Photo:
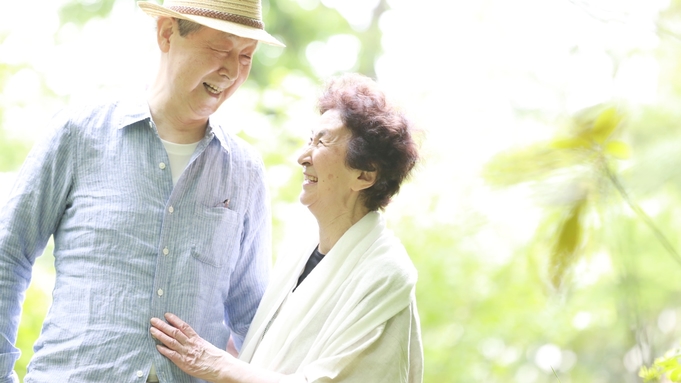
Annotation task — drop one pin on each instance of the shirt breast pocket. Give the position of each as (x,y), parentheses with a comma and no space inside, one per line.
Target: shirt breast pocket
(216,237)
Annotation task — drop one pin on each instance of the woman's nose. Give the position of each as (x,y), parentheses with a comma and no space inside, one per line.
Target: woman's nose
(303,159)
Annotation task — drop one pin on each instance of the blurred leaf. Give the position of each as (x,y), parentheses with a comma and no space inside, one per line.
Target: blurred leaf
(531,164)
(605,124)
(596,123)
(571,143)
(649,375)
(668,363)
(675,375)
(565,251)
(617,149)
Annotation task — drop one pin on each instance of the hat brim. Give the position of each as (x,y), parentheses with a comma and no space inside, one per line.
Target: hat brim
(153,9)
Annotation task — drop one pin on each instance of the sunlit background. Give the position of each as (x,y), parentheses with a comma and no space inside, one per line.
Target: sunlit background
(481,79)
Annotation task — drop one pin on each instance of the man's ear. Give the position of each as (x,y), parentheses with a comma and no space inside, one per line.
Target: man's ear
(164,29)
(365,180)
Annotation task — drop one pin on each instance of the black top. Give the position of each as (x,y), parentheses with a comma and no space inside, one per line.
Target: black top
(312,262)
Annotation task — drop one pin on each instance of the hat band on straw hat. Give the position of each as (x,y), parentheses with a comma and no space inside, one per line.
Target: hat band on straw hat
(219,15)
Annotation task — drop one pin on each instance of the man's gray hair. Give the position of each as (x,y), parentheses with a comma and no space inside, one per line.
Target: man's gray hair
(187,27)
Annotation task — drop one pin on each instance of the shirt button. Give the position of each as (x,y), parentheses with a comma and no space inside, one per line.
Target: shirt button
(140,374)
(170,209)
(162,165)
(160,292)
(166,251)
(151,124)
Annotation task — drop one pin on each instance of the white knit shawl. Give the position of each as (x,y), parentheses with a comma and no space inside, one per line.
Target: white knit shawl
(340,311)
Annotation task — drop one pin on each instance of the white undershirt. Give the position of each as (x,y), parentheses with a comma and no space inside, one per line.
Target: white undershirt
(179,155)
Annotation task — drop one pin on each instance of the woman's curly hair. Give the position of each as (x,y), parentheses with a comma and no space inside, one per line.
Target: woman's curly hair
(381,135)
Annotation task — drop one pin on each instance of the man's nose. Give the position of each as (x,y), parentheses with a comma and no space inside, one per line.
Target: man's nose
(230,68)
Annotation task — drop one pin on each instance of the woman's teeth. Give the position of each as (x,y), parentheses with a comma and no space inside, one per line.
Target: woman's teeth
(212,89)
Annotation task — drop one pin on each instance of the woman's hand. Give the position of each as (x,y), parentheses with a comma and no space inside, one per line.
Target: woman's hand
(184,347)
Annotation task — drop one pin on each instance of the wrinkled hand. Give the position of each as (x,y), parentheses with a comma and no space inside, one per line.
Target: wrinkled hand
(184,347)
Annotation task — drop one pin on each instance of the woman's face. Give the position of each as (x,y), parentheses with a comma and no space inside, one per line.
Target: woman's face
(328,182)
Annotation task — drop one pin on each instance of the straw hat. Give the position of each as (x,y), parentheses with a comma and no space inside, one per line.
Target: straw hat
(238,17)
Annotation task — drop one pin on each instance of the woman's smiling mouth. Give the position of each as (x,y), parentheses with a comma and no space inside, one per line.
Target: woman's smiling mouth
(212,89)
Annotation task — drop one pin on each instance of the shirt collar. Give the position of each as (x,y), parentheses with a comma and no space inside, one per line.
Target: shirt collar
(137,109)
(130,111)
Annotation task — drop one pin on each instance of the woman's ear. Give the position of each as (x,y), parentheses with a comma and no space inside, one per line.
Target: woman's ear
(365,180)
(164,29)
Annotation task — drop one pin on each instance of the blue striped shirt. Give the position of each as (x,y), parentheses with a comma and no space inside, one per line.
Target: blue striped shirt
(129,246)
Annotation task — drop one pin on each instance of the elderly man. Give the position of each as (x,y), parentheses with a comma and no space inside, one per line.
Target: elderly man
(154,208)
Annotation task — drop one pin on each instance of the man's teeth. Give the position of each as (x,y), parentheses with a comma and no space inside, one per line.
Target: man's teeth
(311,178)
(212,89)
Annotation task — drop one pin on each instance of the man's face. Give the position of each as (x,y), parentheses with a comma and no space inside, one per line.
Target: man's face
(204,68)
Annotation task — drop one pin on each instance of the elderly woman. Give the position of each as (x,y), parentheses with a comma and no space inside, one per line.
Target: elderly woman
(344,310)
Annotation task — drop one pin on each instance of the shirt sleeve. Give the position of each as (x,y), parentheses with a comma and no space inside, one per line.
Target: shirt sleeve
(34,208)
(251,272)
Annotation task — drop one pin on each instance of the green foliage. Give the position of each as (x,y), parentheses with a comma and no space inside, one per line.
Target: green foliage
(34,309)
(13,152)
(566,248)
(80,12)
(33,313)
(533,163)
(484,319)
(297,28)
(605,124)
(592,219)
(668,366)
(588,142)
(585,154)
(556,374)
